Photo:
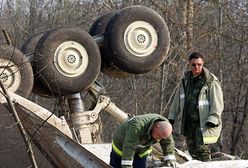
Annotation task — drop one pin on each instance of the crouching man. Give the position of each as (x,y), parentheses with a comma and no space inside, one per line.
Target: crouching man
(132,141)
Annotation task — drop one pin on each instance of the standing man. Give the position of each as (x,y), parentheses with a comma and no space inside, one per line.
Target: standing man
(133,139)
(197,107)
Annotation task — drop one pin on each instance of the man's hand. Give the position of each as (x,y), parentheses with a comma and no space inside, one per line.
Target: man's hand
(171,163)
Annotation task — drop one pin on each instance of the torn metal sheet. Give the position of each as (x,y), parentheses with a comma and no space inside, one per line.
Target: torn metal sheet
(53,137)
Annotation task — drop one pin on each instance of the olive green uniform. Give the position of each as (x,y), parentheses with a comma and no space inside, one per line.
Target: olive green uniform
(134,137)
(198,101)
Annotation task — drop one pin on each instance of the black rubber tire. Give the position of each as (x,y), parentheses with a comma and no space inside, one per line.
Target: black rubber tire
(24,72)
(45,65)
(28,48)
(114,34)
(100,24)
(107,66)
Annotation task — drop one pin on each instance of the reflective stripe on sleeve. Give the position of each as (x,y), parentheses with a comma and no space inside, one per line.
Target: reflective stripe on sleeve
(203,103)
(118,151)
(169,157)
(210,140)
(147,152)
(127,162)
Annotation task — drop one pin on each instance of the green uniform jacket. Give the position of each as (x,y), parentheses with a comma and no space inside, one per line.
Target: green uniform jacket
(134,136)
(210,102)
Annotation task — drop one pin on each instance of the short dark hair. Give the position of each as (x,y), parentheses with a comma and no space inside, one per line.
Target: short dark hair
(195,55)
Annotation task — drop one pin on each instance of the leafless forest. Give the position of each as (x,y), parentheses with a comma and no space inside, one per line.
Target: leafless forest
(216,28)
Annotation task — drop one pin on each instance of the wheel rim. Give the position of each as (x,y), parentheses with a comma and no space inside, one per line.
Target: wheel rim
(140,38)
(10,75)
(71,59)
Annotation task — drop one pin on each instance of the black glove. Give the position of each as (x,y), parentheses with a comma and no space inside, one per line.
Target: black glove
(171,122)
(211,125)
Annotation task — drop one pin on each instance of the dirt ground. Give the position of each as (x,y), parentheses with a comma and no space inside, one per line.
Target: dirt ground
(13,151)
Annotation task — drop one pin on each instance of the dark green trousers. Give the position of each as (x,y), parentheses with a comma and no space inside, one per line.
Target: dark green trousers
(195,144)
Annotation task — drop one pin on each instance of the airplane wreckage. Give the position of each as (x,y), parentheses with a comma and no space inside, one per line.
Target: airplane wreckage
(64,62)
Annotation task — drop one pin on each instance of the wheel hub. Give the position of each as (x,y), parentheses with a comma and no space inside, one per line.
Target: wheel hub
(4,77)
(140,38)
(10,75)
(71,59)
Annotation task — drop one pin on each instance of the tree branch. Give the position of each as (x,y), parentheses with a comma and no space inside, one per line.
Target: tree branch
(20,126)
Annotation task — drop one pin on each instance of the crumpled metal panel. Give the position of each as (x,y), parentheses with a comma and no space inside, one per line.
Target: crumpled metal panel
(59,148)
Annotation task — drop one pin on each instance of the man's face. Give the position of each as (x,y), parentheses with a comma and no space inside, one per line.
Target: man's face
(156,134)
(159,132)
(196,66)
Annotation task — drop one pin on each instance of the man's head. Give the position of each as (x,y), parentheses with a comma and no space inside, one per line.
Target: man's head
(161,130)
(196,63)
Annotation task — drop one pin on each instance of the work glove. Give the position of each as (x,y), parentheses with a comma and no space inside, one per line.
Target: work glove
(170,161)
(211,125)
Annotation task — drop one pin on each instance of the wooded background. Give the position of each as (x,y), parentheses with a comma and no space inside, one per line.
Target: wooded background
(216,28)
